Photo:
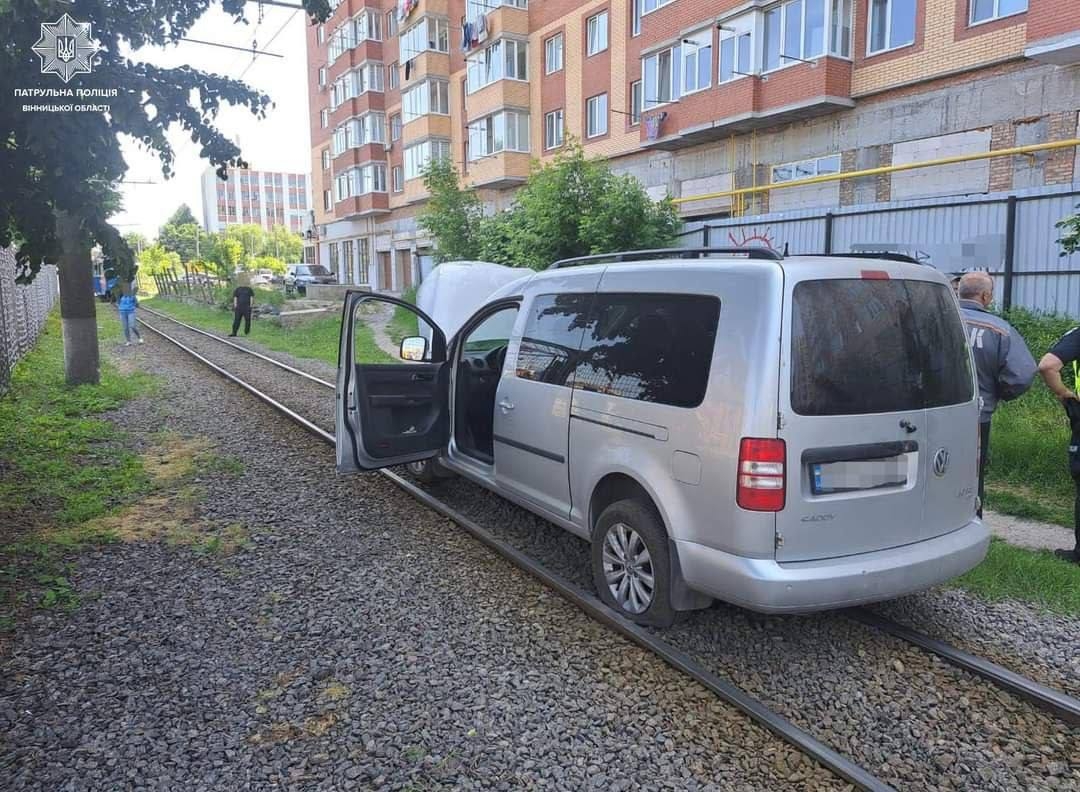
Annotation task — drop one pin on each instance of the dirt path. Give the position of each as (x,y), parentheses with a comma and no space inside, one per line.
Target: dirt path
(378,319)
(1027,533)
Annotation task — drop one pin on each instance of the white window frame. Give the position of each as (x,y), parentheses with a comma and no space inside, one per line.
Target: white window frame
(656,6)
(321,34)
(810,167)
(391,23)
(498,132)
(889,47)
(326,158)
(396,123)
(429,34)
(674,76)
(328,200)
(694,52)
(590,103)
(360,180)
(554,49)
(636,95)
(322,76)
(597,37)
(735,38)
(397,175)
(554,124)
(324,118)
(429,97)
(794,58)
(393,76)
(489,65)
(996,15)
(419,155)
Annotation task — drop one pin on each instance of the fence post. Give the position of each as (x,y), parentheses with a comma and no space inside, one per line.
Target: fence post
(828,232)
(1010,252)
(705,235)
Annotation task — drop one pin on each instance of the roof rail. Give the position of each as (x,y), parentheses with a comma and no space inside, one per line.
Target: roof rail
(756,252)
(904,257)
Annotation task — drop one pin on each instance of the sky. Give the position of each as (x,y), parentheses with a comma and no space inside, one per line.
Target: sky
(281,141)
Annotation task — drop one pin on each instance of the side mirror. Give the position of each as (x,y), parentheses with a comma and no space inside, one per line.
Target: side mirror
(414,348)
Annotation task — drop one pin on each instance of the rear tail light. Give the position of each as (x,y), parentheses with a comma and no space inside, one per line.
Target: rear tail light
(762,478)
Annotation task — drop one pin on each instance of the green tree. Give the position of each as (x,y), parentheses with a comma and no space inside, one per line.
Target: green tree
(252,239)
(136,242)
(452,214)
(1070,233)
(60,174)
(283,244)
(227,256)
(182,234)
(275,265)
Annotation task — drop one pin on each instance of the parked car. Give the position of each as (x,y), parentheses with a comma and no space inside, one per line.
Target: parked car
(300,276)
(785,434)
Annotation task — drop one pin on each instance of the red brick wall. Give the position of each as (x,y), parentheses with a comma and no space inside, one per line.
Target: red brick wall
(862,31)
(1048,18)
(596,73)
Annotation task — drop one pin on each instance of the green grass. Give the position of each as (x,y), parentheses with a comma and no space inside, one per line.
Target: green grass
(317,339)
(62,464)
(1034,577)
(404,322)
(1029,474)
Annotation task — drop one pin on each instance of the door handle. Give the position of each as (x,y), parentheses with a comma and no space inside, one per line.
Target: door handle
(420,377)
(506,405)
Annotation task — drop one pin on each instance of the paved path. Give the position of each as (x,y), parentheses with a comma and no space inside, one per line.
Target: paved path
(1027,533)
(378,319)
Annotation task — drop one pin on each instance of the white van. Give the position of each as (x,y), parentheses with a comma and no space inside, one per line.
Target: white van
(786,434)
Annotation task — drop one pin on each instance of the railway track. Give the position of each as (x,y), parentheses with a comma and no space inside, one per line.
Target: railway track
(1052,701)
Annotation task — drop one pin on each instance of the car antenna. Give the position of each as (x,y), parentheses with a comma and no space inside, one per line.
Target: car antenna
(785,250)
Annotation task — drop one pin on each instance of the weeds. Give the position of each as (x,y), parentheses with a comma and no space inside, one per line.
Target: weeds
(1036,577)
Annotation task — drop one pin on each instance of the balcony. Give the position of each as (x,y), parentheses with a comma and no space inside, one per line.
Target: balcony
(507,19)
(499,171)
(365,102)
(426,64)
(426,8)
(369,152)
(367,50)
(795,93)
(426,126)
(362,206)
(1053,34)
(505,93)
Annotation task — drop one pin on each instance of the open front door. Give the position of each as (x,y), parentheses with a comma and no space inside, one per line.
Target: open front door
(393,389)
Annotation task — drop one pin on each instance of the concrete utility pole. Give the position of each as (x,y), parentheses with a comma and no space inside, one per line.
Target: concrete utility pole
(78,311)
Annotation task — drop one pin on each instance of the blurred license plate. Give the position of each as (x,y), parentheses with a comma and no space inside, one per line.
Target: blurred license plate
(827,478)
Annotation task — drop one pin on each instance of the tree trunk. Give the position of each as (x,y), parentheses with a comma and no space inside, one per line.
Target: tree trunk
(78,313)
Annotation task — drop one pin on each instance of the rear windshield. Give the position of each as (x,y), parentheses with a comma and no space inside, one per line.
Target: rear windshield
(312,269)
(876,346)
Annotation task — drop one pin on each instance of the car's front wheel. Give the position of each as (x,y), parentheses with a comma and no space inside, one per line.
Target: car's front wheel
(631,563)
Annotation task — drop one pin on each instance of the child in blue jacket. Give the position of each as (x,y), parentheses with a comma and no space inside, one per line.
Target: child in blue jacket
(126,305)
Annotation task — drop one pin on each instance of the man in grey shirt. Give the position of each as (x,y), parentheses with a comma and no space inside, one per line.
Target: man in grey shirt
(1003,363)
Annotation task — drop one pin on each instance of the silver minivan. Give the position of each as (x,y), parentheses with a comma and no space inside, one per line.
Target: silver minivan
(785,434)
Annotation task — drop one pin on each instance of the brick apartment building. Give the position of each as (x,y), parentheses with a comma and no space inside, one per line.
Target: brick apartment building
(265,198)
(691,96)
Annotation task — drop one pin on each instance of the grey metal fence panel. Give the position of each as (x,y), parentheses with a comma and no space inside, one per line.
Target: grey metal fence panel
(23,311)
(1042,280)
(798,232)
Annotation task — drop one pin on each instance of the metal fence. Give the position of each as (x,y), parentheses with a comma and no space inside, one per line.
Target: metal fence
(23,310)
(1011,236)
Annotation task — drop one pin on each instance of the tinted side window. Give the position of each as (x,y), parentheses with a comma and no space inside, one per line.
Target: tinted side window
(650,347)
(875,346)
(552,338)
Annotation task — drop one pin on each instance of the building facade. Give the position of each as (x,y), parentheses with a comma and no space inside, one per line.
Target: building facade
(693,97)
(265,198)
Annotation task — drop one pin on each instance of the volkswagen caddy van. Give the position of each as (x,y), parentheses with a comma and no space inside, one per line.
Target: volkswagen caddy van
(785,434)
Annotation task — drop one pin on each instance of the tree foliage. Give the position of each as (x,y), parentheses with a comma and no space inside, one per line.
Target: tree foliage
(1070,233)
(71,162)
(574,206)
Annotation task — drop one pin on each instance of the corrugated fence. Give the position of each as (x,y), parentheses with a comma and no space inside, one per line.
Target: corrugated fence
(23,310)
(1011,236)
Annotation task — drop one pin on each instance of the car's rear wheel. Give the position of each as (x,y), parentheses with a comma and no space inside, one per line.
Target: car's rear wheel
(631,563)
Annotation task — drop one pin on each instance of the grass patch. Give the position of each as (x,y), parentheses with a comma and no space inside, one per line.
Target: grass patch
(317,339)
(404,323)
(62,466)
(1034,577)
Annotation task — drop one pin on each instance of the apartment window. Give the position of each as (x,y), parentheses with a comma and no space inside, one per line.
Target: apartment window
(892,24)
(391,23)
(417,157)
(795,30)
(697,62)
(364,26)
(660,77)
(985,10)
(430,96)
(553,129)
(648,6)
(360,181)
(363,258)
(505,131)
(635,103)
(430,33)
(399,178)
(597,28)
(347,260)
(840,26)
(368,128)
(734,56)
(327,200)
(324,118)
(793,171)
(334,258)
(326,159)
(596,111)
(393,79)
(322,34)
(553,54)
(322,76)
(395,127)
(505,59)
(368,77)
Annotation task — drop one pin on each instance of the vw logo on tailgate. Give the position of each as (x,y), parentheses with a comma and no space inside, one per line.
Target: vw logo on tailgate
(941,462)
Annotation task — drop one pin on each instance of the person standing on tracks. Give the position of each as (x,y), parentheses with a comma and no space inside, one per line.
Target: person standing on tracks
(1003,363)
(126,305)
(1065,351)
(243,298)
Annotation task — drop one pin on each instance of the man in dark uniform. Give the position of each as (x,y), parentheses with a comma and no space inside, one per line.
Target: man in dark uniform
(1067,350)
(242,299)
(1004,366)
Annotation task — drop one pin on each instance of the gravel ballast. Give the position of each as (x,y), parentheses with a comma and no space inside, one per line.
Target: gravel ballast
(358,641)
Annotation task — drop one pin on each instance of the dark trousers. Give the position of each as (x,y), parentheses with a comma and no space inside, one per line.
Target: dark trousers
(1076,514)
(984,453)
(237,315)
